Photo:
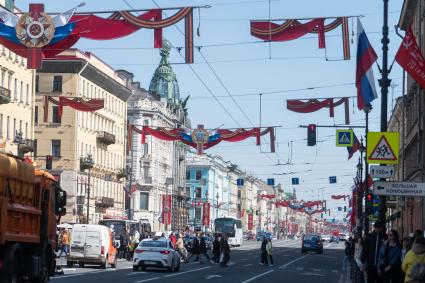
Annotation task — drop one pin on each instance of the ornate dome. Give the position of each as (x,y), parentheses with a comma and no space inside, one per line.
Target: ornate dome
(164,82)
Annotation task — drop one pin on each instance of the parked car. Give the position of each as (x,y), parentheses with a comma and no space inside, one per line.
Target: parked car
(156,252)
(326,237)
(261,235)
(92,244)
(312,243)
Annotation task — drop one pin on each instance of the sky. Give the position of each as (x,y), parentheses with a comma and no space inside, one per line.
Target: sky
(230,64)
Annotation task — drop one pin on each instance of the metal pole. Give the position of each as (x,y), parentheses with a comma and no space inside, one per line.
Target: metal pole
(384,83)
(88,196)
(367,208)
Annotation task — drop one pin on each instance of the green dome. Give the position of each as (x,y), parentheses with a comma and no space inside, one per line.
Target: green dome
(164,82)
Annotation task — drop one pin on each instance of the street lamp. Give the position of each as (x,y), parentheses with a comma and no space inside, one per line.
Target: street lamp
(87,163)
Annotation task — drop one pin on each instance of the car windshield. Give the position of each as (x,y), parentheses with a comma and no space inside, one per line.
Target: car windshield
(153,244)
(310,238)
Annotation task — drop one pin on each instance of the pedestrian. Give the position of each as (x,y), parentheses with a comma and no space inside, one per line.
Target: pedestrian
(370,254)
(64,242)
(264,251)
(269,251)
(224,251)
(414,260)
(349,255)
(173,239)
(203,249)
(124,241)
(181,249)
(195,251)
(216,248)
(359,266)
(390,259)
(405,248)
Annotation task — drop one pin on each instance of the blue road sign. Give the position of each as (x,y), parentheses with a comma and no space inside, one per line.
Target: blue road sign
(270,182)
(239,182)
(295,181)
(332,180)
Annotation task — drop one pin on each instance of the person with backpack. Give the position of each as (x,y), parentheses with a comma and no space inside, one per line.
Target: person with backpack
(389,268)
(414,262)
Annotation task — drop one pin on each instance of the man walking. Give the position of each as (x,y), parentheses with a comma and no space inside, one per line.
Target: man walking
(195,250)
(224,251)
(264,252)
(216,249)
(370,253)
(203,249)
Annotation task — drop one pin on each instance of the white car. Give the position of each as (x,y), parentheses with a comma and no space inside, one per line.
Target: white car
(157,252)
(326,238)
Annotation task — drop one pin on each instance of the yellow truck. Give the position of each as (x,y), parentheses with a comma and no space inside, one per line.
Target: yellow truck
(31,204)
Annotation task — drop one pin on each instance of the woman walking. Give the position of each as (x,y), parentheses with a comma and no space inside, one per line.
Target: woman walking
(390,259)
(269,251)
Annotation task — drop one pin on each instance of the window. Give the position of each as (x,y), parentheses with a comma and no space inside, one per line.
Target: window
(198,174)
(27,92)
(144,201)
(20,126)
(188,175)
(144,149)
(2,78)
(26,130)
(37,83)
(15,91)
(198,192)
(14,128)
(36,115)
(8,128)
(55,116)
(57,83)
(21,92)
(56,148)
(9,81)
(35,148)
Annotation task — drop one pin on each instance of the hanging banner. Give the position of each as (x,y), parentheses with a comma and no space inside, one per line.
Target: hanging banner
(166,209)
(410,58)
(313,105)
(206,214)
(250,221)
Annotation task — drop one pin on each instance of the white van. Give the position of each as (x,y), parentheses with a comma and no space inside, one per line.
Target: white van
(92,244)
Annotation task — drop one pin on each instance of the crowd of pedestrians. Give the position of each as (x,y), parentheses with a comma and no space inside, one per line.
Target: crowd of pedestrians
(382,257)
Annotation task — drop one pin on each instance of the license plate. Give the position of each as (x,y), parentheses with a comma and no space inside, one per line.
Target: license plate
(150,262)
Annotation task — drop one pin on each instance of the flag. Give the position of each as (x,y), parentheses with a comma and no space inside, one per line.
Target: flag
(63,18)
(365,82)
(353,149)
(410,58)
(8,18)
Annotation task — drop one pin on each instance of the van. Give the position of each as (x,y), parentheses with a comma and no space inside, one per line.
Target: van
(92,244)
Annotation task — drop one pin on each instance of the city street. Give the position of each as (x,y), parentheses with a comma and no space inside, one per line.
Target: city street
(290,265)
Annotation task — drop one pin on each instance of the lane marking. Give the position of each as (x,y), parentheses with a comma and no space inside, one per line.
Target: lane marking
(66,276)
(149,279)
(246,265)
(291,262)
(136,272)
(69,269)
(257,276)
(189,271)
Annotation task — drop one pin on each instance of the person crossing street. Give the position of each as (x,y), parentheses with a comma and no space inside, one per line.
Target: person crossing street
(203,249)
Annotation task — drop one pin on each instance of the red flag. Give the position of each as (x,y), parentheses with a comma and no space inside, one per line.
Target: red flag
(410,58)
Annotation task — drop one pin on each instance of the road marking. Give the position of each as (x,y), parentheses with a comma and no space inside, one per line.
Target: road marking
(255,277)
(317,270)
(149,279)
(213,276)
(69,269)
(291,262)
(249,264)
(311,274)
(66,276)
(189,271)
(136,272)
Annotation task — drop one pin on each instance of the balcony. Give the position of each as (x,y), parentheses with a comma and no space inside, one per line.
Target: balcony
(145,184)
(105,138)
(105,202)
(4,95)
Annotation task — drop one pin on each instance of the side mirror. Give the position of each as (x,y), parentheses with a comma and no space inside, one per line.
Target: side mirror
(60,200)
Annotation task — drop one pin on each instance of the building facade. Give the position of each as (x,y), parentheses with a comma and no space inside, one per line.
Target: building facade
(76,138)
(158,168)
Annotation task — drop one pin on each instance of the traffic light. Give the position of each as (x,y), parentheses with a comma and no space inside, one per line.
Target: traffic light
(311,135)
(345,209)
(49,160)
(369,199)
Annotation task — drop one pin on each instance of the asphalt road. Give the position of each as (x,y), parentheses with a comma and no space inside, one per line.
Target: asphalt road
(289,266)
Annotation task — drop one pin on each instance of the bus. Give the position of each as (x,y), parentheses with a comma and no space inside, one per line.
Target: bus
(230,226)
(131,225)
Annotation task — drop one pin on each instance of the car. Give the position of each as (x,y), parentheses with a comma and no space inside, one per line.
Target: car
(343,237)
(312,243)
(158,253)
(326,238)
(261,235)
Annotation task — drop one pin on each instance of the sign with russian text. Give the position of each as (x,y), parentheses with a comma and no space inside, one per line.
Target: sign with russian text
(377,171)
(403,189)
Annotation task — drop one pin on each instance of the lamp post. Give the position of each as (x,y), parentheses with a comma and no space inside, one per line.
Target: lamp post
(87,163)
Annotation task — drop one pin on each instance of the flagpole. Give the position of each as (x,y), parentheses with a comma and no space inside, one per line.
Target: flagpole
(366,188)
(384,83)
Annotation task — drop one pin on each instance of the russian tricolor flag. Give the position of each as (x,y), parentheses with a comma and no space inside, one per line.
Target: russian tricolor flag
(365,82)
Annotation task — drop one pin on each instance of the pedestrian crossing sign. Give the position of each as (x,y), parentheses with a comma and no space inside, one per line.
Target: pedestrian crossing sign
(383,147)
(344,138)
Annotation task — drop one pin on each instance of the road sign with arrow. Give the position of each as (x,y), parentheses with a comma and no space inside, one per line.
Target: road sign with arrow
(377,171)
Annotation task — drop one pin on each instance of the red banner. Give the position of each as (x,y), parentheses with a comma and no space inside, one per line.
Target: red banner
(206,214)
(80,105)
(410,58)
(166,209)
(250,221)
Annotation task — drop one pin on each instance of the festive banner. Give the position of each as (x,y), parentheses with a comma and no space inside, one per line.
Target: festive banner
(336,197)
(410,58)
(263,196)
(76,103)
(293,29)
(206,214)
(166,209)
(250,221)
(202,139)
(35,34)
(312,105)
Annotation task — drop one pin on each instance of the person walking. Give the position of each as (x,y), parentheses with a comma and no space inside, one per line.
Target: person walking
(203,249)
(195,249)
(224,251)
(415,256)
(349,255)
(370,253)
(173,239)
(390,259)
(181,249)
(269,251)
(216,249)
(124,240)
(264,252)
(64,242)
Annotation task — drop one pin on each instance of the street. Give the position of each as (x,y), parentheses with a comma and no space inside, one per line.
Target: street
(289,266)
